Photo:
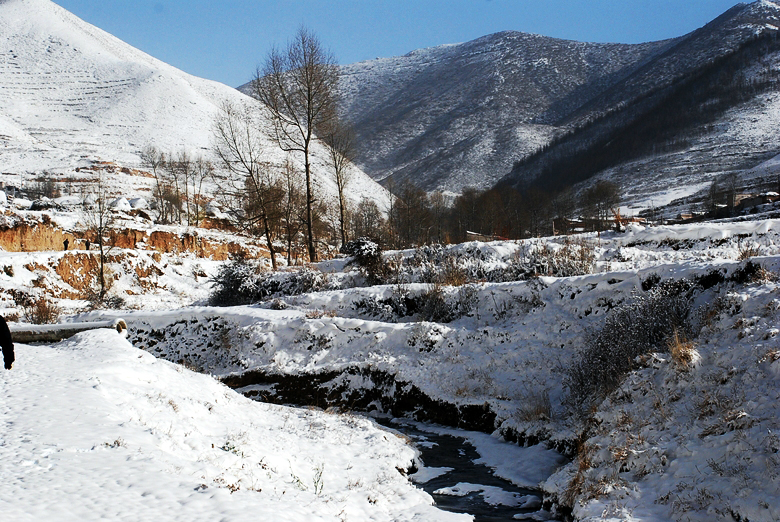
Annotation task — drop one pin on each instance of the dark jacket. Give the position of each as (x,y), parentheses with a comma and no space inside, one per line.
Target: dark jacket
(6,343)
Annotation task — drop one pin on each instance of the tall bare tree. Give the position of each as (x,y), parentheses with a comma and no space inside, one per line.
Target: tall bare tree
(156,161)
(99,218)
(340,139)
(293,209)
(298,86)
(250,192)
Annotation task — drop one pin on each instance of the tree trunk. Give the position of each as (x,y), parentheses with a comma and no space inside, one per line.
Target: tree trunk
(309,203)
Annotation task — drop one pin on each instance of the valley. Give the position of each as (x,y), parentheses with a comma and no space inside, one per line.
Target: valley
(547,286)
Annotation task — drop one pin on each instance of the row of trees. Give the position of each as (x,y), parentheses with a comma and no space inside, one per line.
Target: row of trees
(282,203)
(179,183)
(417,218)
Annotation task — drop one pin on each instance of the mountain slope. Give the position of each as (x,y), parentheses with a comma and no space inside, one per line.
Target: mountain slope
(71,94)
(707,108)
(458,115)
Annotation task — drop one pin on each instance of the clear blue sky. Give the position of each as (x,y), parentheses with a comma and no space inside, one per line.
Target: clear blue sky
(226,40)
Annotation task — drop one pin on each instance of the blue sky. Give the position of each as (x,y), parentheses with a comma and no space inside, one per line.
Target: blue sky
(226,40)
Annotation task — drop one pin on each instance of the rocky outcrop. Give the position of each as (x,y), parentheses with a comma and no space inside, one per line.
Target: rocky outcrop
(35,237)
(25,236)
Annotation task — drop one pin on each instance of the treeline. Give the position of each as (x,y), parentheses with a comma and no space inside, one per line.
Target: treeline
(178,185)
(416,218)
(660,121)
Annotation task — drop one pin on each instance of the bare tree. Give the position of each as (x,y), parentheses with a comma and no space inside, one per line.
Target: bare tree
(298,86)
(293,210)
(368,221)
(439,211)
(250,192)
(181,168)
(203,169)
(156,161)
(599,201)
(340,139)
(99,219)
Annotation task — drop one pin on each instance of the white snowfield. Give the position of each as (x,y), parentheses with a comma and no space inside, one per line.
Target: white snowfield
(672,444)
(72,94)
(106,430)
(95,429)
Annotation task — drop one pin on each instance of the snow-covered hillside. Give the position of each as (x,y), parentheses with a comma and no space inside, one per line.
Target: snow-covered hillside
(500,361)
(459,115)
(675,441)
(71,95)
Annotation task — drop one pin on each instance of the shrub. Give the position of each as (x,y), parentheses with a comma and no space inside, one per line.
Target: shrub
(645,324)
(751,272)
(433,307)
(433,304)
(535,406)
(452,273)
(572,258)
(40,311)
(367,256)
(234,283)
(747,251)
(682,351)
(245,281)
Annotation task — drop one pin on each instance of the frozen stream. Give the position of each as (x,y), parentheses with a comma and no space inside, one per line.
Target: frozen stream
(459,470)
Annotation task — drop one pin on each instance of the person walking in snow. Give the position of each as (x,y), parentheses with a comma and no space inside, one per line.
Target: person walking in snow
(65,244)
(6,343)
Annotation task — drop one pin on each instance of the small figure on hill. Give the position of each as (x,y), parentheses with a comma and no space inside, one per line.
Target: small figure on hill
(7,344)
(88,243)
(65,244)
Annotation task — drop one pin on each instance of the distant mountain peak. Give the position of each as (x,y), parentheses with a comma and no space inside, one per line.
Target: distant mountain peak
(449,117)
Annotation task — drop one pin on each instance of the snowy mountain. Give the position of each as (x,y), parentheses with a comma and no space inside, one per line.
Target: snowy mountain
(72,94)
(706,107)
(460,115)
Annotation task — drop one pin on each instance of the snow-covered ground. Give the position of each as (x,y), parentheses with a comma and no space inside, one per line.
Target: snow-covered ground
(510,351)
(671,443)
(95,429)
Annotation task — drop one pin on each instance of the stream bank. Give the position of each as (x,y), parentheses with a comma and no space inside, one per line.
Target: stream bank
(465,484)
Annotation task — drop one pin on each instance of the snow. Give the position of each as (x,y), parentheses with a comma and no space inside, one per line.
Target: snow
(95,429)
(512,346)
(120,204)
(428,473)
(538,462)
(493,495)
(103,427)
(75,96)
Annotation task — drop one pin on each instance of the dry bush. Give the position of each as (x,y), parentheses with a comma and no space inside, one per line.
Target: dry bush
(681,350)
(41,311)
(638,327)
(573,257)
(584,464)
(752,272)
(747,251)
(452,274)
(319,314)
(535,407)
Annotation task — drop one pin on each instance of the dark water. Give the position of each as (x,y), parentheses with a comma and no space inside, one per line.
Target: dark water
(446,451)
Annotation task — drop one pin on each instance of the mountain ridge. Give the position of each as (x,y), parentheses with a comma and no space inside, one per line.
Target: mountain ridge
(434,118)
(512,76)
